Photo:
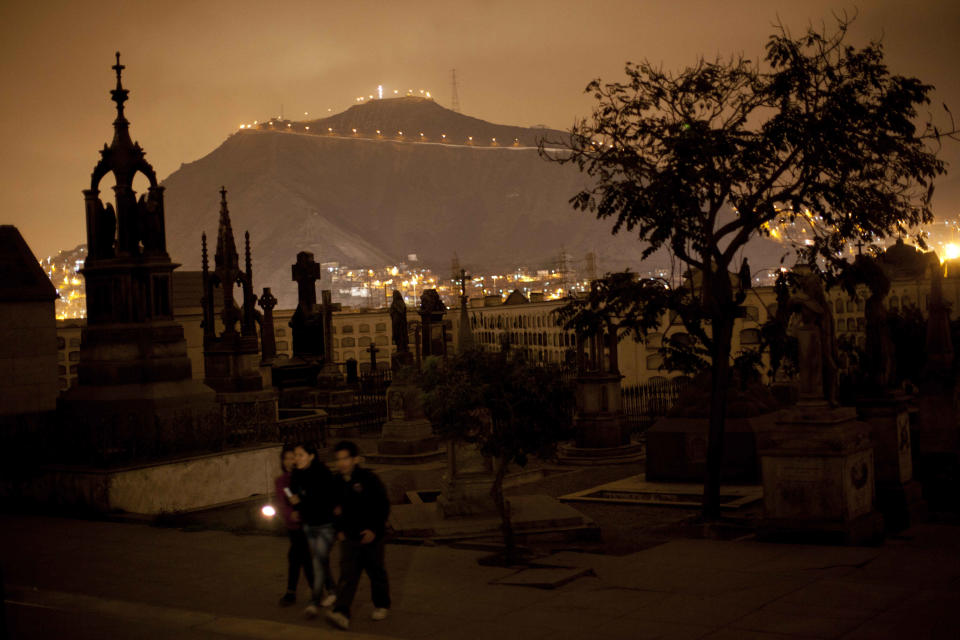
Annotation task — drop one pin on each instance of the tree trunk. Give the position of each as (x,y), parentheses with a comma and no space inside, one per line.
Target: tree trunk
(720,368)
(496,492)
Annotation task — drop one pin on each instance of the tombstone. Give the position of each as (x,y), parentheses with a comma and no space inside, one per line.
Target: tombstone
(231,360)
(817,460)
(306,328)
(433,332)
(268,341)
(601,433)
(353,379)
(677,443)
(373,350)
(329,375)
(936,432)
(407,436)
(307,322)
(400,334)
(134,372)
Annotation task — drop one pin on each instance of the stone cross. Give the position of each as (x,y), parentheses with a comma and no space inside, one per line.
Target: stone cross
(305,273)
(269,344)
(464,334)
(373,350)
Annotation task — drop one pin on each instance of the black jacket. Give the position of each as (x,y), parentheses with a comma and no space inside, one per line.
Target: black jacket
(317,492)
(363,502)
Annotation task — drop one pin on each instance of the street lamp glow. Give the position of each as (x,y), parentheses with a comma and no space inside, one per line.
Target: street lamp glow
(951,251)
(268,511)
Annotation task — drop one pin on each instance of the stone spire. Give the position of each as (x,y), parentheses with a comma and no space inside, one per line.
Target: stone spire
(226,266)
(226,257)
(123,157)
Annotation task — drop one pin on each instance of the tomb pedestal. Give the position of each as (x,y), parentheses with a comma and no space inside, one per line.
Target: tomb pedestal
(407,437)
(601,434)
(819,477)
(899,496)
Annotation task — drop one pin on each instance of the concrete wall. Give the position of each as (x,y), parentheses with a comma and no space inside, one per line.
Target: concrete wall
(28,357)
(185,484)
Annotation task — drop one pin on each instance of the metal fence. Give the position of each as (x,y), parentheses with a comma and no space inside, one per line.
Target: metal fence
(644,403)
(302,425)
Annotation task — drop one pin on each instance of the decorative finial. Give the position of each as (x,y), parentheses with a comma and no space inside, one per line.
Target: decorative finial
(118,68)
(119,94)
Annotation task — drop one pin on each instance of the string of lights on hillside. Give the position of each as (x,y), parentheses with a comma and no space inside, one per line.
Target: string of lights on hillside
(282,124)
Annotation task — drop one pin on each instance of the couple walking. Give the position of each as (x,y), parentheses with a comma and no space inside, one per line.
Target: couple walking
(352,508)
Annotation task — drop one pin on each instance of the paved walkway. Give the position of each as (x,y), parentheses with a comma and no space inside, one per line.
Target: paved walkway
(82,579)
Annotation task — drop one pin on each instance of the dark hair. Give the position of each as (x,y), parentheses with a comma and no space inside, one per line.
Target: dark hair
(308,447)
(348,446)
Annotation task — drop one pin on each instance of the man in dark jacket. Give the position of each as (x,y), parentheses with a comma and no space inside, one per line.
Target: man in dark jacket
(361,525)
(313,495)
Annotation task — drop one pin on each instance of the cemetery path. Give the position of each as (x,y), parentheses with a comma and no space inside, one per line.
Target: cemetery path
(95,579)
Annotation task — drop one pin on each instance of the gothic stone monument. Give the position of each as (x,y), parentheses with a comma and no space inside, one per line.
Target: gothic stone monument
(135,386)
(232,359)
(602,435)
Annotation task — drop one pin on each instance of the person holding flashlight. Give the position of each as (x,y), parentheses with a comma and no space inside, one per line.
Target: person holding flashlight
(312,494)
(298,556)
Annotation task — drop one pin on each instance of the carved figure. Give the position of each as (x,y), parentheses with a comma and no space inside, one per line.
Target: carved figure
(398,321)
(816,338)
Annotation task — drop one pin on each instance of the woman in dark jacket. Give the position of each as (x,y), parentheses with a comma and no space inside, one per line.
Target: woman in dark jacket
(298,556)
(313,496)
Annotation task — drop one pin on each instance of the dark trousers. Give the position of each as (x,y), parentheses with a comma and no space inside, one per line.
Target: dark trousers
(298,557)
(355,558)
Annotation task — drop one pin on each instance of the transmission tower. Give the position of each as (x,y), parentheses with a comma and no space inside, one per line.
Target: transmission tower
(454,98)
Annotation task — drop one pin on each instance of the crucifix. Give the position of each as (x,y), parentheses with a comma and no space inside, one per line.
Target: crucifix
(373,350)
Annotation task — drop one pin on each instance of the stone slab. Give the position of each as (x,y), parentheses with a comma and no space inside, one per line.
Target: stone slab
(570,454)
(543,577)
(530,515)
(637,490)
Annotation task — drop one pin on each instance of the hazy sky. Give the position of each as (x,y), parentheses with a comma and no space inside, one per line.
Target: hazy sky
(196,70)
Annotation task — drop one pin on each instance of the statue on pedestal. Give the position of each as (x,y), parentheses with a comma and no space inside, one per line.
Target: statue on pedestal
(816,338)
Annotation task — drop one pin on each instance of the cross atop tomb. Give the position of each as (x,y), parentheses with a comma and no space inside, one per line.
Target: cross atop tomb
(373,351)
(305,273)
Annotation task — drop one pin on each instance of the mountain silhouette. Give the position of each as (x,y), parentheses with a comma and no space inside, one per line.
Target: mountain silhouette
(369,200)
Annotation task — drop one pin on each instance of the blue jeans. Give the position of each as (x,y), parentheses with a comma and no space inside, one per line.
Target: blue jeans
(320,540)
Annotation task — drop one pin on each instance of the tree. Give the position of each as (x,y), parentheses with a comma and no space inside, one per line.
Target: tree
(701,161)
(509,407)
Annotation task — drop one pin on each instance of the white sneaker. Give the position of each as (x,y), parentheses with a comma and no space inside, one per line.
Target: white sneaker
(379,614)
(310,612)
(338,620)
(329,600)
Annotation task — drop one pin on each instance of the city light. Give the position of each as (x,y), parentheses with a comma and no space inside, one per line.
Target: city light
(268,511)
(951,251)
(380,91)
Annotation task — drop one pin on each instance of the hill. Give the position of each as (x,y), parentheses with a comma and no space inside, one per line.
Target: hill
(370,201)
